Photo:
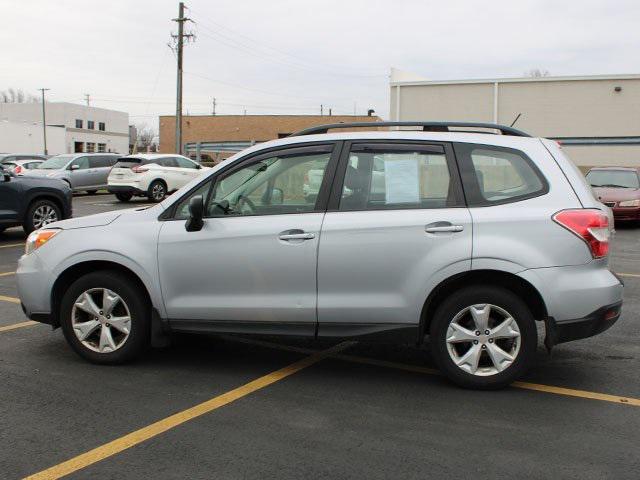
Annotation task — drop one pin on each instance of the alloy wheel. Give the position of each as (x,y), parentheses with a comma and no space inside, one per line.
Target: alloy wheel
(483,339)
(101,320)
(44,215)
(157,192)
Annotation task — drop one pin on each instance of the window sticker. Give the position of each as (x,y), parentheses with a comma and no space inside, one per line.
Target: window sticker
(401,179)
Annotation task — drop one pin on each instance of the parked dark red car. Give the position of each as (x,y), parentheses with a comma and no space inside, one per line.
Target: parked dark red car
(618,188)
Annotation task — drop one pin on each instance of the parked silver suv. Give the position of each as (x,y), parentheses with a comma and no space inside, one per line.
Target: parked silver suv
(81,171)
(466,238)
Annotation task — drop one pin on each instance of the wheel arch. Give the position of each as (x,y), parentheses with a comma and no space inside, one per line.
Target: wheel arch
(510,281)
(43,196)
(73,272)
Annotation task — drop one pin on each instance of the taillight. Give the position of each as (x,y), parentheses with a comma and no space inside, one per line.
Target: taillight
(17,170)
(592,226)
(139,169)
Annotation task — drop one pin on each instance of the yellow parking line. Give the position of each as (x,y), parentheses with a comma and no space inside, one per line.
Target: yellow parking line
(635,275)
(6,274)
(150,431)
(4,298)
(13,326)
(431,371)
(9,245)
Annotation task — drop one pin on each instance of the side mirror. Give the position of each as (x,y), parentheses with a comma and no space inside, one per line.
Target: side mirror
(277,196)
(74,167)
(196,214)
(198,167)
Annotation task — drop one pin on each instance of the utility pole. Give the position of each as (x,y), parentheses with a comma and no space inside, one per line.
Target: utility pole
(214,106)
(86,98)
(179,45)
(44,120)
(321,109)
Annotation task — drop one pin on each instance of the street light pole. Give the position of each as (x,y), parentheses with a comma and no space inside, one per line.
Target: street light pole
(44,119)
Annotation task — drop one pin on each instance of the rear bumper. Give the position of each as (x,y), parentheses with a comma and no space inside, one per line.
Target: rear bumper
(126,189)
(593,324)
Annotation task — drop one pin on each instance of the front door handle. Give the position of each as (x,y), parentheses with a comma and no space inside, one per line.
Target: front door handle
(439,227)
(296,235)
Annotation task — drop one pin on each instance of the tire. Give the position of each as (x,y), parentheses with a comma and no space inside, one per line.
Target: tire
(92,192)
(157,191)
(124,197)
(502,305)
(39,214)
(127,346)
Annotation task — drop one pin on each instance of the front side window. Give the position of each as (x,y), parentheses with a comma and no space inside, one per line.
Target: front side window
(494,175)
(613,178)
(82,163)
(385,178)
(275,185)
(184,163)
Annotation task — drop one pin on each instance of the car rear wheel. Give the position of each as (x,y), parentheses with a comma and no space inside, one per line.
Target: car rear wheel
(104,318)
(40,214)
(483,337)
(124,197)
(157,191)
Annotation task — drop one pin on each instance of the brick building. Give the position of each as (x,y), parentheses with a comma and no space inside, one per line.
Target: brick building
(220,135)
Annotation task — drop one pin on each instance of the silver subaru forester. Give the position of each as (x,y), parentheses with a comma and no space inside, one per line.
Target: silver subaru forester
(464,234)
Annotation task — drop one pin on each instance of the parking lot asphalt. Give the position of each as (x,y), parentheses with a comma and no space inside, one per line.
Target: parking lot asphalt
(228,407)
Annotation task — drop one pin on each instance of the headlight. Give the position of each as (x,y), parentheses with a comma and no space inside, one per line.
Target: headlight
(630,203)
(38,238)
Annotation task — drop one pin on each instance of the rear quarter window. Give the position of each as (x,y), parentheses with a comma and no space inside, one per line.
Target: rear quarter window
(494,175)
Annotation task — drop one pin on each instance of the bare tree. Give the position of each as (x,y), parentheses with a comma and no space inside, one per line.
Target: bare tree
(536,73)
(12,95)
(146,136)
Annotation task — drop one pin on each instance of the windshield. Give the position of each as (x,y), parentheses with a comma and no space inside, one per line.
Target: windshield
(55,163)
(613,178)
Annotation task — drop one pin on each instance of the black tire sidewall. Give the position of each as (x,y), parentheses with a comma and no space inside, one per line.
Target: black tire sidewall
(477,295)
(28,225)
(139,335)
(124,197)
(150,191)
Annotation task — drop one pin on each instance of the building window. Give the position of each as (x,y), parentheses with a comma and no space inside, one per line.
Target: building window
(90,124)
(101,126)
(91,147)
(78,123)
(102,147)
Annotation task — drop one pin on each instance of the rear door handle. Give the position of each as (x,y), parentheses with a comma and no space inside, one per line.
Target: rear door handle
(289,235)
(443,228)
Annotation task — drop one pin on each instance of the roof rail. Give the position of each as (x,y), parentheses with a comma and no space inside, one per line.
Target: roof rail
(426,127)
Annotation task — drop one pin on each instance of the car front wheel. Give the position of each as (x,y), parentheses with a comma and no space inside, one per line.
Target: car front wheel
(40,214)
(105,318)
(157,191)
(483,337)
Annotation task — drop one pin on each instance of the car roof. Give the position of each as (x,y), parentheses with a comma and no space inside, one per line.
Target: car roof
(26,160)
(152,156)
(631,169)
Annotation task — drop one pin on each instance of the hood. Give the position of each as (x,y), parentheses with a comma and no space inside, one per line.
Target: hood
(98,220)
(40,172)
(611,194)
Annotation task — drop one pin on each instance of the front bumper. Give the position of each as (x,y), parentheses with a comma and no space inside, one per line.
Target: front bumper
(593,324)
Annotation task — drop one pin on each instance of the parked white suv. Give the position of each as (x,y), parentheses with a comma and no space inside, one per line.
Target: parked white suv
(151,175)
(471,240)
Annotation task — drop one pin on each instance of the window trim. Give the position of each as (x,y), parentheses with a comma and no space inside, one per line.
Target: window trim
(396,145)
(331,147)
(470,179)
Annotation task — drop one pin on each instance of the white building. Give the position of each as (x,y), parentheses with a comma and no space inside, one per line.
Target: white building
(27,137)
(87,129)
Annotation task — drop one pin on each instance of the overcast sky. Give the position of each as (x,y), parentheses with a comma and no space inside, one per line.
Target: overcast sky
(290,56)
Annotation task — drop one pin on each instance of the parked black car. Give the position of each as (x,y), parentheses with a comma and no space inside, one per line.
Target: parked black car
(32,202)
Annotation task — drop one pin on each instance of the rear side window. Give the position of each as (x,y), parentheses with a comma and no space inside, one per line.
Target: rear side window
(100,162)
(128,162)
(380,177)
(494,175)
